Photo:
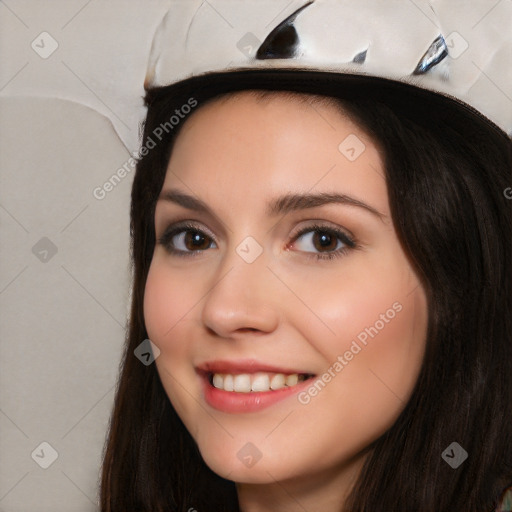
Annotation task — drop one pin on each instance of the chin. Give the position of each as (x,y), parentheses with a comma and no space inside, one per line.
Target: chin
(236,465)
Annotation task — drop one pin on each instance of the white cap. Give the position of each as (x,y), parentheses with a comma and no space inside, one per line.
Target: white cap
(456,48)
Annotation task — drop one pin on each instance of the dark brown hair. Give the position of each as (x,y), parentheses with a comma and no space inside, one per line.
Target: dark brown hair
(447,169)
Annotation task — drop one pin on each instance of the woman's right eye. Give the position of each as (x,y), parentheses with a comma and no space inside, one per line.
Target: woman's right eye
(185,240)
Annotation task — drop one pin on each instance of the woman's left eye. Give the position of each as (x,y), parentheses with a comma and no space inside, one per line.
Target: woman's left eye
(327,242)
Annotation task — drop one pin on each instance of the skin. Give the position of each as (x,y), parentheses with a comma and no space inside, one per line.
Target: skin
(287,308)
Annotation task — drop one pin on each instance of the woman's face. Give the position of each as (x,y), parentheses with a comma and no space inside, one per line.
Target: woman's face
(290,323)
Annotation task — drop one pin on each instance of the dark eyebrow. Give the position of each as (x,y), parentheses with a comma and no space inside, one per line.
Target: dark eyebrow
(189,202)
(278,206)
(292,202)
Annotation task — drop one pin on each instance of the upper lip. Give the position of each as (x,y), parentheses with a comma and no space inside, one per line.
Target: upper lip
(244,366)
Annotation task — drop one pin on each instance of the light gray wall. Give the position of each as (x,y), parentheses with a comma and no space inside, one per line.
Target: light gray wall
(64,254)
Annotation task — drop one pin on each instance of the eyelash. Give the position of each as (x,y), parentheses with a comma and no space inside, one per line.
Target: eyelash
(349,242)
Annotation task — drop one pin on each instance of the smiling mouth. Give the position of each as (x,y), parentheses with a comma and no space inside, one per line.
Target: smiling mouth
(255,382)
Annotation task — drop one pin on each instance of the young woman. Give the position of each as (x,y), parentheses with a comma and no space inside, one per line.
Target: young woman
(322,262)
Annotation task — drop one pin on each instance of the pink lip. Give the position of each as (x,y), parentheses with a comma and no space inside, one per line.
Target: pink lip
(232,402)
(244,366)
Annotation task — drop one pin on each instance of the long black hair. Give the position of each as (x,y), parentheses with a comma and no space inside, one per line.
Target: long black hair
(447,172)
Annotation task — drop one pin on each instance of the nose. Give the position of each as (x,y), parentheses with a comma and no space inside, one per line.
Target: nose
(243,297)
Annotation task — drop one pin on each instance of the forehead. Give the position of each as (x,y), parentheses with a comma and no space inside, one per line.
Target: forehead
(256,144)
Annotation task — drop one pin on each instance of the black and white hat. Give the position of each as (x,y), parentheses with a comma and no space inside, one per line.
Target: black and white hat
(459,49)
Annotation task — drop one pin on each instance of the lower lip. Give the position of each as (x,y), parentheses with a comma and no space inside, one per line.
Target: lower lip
(233,402)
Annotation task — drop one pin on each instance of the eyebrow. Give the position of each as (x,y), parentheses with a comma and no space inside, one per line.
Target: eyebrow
(278,206)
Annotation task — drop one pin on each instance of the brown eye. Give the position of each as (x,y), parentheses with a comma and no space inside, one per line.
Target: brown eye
(185,240)
(323,242)
(195,240)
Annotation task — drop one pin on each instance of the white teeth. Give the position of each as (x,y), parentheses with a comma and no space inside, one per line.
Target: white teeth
(278,381)
(256,382)
(229,384)
(243,383)
(291,380)
(218,381)
(260,382)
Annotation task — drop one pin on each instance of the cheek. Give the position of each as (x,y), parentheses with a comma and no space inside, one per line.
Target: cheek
(169,301)
(366,300)
(395,351)
(382,375)
(372,335)
(155,296)
(169,297)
